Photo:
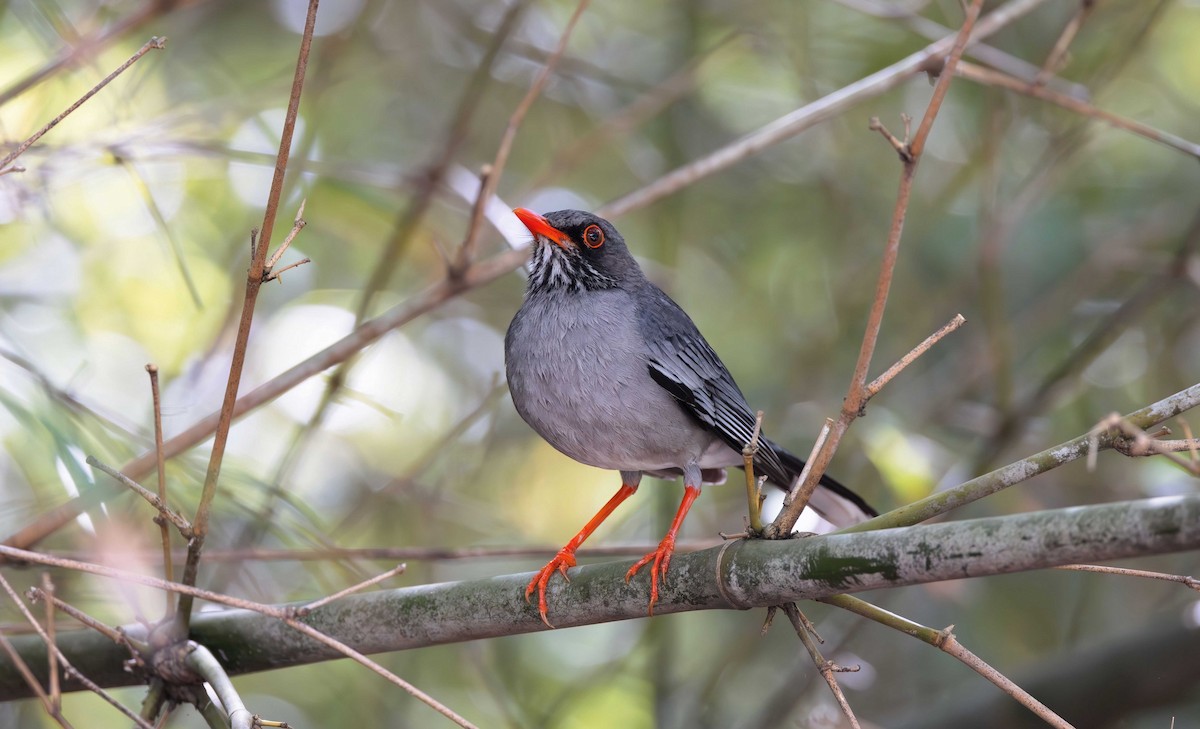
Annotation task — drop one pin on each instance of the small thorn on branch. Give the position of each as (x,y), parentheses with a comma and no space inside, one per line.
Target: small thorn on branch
(297,225)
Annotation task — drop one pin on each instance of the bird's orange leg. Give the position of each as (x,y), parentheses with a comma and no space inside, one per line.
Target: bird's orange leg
(661,557)
(566,556)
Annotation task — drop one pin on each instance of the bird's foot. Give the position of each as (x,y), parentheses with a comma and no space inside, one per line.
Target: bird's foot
(562,561)
(659,560)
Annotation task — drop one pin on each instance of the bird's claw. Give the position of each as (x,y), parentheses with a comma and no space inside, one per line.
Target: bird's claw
(659,561)
(564,560)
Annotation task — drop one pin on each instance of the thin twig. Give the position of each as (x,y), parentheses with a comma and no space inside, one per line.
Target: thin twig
(160,462)
(29,679)
(51,655)
(879,382)
(818,444)
(278,275)
(152,44)
(989,77)
(1136,442)
(827,668)
(87,47)
(297,226)
(35,594)
(488,181)
(900,145)
(1185,580)
(48,702)
(165,512)
(253,284)
(1055,60)
(945,641)
(306,609)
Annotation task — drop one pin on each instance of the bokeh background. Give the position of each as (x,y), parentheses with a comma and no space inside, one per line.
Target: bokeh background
(1069,246)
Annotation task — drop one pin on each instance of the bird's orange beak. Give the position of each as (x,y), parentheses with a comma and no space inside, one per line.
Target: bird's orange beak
(540,226)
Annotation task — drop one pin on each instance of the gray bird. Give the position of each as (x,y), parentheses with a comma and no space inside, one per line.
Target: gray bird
(612,372)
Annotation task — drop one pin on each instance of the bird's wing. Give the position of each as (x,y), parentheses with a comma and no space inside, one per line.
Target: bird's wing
(683,363)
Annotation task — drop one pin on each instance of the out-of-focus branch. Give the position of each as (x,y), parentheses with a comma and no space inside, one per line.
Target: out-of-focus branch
(152,44)
(809,115)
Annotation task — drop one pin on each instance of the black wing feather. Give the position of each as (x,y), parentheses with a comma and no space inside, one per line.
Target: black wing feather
(684,364)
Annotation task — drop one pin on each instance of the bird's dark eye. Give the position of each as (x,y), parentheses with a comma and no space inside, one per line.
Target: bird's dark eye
(593,237)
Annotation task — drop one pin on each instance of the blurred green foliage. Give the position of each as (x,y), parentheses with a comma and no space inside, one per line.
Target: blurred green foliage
(126,239)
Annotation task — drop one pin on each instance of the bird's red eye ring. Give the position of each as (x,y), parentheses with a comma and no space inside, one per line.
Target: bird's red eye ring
(593,237)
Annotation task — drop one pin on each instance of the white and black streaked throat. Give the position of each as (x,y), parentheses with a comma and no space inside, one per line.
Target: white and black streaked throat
(555,268)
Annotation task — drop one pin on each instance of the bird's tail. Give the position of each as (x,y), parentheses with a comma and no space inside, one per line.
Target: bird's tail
(833,501)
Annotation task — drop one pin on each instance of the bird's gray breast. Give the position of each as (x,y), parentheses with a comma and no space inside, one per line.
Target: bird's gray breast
(577,371)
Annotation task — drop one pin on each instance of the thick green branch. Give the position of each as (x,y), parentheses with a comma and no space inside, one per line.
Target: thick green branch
(742,574)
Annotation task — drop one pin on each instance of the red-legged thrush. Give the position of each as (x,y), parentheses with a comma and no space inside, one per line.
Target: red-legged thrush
(612,372)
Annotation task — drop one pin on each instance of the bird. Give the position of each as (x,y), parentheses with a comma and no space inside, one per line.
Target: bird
(610,371)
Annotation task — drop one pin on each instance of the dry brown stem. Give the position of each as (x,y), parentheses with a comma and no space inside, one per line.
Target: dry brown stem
(857,394)
(945,641)
(88,46)
(152,44)
(1058,54)
(306,609)
(254,281)
(988,77)
(161,466)
(828,669)
(879,382)
(1186,580)
(165,512)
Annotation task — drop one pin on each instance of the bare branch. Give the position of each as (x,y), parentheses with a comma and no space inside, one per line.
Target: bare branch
(160,463)
(152,44)
(1185,580)
(879,382)
(828,669)
(945,641)
(165,512)
(988,77)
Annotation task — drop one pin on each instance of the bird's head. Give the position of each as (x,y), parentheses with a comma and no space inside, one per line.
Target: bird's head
(575,250)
